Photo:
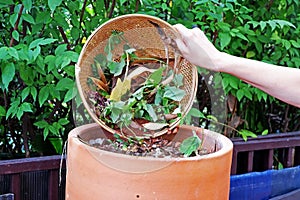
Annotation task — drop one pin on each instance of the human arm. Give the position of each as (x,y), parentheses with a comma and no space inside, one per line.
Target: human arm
(278,81)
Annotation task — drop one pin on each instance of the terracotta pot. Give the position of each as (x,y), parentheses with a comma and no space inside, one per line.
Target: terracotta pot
(96,174)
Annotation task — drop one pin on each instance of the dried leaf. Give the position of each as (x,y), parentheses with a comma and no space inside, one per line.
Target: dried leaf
(100,84)
(101,74)
(120,89)
(155,126)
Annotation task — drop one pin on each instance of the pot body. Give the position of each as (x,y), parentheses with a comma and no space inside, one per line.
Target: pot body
(96,174)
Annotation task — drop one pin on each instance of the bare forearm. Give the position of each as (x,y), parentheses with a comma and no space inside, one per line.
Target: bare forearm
(280,82)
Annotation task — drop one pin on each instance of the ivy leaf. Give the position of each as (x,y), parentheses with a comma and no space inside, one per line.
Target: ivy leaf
(116,68)
(178,80)
(116,109)
(120,89)
(156,76)
(151,112)
(174,93)
(190,145)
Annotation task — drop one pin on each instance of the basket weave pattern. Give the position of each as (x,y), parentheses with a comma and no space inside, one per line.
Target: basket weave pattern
(140,34)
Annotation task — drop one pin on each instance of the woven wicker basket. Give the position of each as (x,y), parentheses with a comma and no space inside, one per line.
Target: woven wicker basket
(140,33)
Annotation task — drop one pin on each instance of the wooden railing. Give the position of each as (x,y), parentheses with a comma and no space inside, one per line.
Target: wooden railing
(266,152)
(33,178)
(38,178)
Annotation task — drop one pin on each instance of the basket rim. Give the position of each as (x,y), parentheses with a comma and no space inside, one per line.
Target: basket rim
(81,92)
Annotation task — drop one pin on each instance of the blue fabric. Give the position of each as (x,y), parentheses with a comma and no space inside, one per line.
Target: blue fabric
(264,185)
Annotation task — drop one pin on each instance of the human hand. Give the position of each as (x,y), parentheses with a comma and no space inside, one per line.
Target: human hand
(197,49)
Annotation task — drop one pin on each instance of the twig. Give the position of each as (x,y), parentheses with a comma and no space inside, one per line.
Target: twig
(12,40)
(61,30)
(113,4)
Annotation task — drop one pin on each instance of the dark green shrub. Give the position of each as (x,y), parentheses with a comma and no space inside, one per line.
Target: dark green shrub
(40,42)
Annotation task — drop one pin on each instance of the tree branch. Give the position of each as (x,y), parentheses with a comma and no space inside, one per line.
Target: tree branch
(12,40)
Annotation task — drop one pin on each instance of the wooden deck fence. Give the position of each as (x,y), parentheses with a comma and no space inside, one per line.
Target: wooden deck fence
(32,178)
(38,178)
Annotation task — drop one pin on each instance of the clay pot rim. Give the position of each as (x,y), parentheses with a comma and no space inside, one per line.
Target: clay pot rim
(225,143)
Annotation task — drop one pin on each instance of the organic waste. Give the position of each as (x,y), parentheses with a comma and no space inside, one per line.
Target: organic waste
(137,94)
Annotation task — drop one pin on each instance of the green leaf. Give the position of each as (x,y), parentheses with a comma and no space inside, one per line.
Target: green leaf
(43,95)
(25,93)
(4,3)
(240,94)
(156,76)
(116,68)
(57,143)
(36,52)
(151,112)
(41,41)
(3,52)
(8,74)
(283,23)
(46,132)
(211,117)
(174,93)
(2,111)
(262,25)
(225,39)
(12,19)
(63,121)
(190,145)
(41,124)
(33,92)
(295,44)
(13,52)
(15,35)
(27,4)
(13,109)
(65,84)
(116,110)
(250,54)
(246,133)
(26,107)
(265,132)
(53,4)
(72,92)
(28,18)
(60,49)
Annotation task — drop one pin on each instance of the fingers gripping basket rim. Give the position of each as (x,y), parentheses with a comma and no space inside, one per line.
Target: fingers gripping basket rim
(132,24)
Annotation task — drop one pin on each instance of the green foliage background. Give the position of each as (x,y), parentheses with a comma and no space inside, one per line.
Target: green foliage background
(40,42)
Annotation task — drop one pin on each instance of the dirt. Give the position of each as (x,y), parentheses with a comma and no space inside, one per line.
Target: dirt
(155,147)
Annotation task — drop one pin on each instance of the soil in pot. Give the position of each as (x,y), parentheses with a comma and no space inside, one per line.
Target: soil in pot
(158,147)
